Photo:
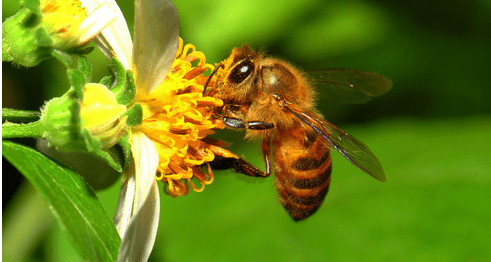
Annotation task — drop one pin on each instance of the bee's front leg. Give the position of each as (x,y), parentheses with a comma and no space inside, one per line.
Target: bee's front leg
(232,116)
(238,123)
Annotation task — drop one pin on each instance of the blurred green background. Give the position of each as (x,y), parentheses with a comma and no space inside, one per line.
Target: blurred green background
(432,134)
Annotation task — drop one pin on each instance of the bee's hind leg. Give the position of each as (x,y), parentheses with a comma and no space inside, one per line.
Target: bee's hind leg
(238,165)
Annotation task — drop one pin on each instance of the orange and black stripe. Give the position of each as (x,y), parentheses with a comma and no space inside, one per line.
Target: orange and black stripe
(302,170)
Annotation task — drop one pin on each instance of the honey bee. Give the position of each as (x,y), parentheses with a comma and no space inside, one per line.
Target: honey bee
(274,102)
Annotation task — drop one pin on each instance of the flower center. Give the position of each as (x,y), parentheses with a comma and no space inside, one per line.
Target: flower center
(177,118)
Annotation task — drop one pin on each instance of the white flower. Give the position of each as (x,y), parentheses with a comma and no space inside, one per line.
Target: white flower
(168,145)
(155,47)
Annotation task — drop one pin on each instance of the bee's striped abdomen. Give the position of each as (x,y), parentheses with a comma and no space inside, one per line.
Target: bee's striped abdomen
(302,164)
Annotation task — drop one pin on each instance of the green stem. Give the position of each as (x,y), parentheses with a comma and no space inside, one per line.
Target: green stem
(34,129)
(20,115)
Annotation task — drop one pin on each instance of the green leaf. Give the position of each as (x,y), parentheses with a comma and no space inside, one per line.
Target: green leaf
(71,200)
(93,168)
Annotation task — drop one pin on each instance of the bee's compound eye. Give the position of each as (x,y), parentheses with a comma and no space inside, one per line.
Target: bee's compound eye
(241,71)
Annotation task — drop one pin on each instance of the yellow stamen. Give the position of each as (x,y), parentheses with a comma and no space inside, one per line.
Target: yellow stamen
(178,118)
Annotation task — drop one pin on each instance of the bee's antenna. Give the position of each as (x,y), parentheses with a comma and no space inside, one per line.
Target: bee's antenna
(211,75)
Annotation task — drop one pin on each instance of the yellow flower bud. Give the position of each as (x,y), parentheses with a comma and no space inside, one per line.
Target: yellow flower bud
(102,115)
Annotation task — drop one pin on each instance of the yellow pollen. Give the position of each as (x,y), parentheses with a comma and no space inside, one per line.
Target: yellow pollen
(178,118)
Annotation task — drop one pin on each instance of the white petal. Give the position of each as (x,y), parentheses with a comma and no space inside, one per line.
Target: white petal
(146,159)
(156,41)
(138,209)
(138,241)
(125,205)
(115,39)
(96,21)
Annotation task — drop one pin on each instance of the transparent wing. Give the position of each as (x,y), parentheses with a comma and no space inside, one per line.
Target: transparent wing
(349,85)
(156,41)
(351,148)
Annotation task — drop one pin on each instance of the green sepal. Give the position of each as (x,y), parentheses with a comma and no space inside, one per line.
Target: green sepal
(61,116)
(42,38)
(24,41)
(118,76)
(135,115)
(111,157)
(80,51)
(107,81)
(63,57)
(123,84)
(85,67)
(27,41)
(83,64)
(33,5)
(30,20)
(124,143)
(126,96)
(77,81)
(64,129)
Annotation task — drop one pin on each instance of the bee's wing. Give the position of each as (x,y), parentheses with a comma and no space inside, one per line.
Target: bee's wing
(349,85)
(351,148)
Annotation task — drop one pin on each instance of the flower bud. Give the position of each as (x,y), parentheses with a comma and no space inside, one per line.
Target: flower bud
(32,34)
(102,115)
(93,123)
